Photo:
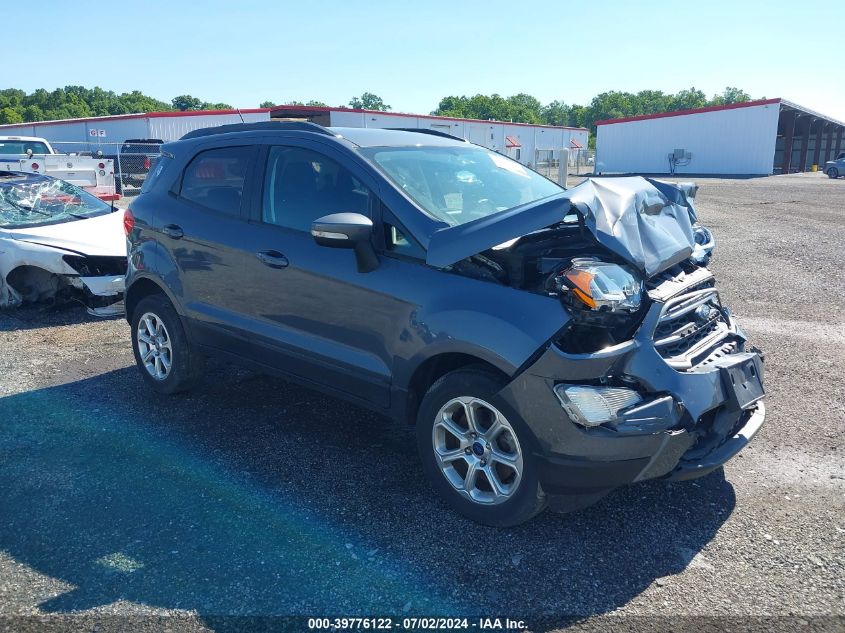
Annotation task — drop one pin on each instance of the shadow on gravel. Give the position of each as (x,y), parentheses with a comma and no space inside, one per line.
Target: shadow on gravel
(40,316)
(252,496)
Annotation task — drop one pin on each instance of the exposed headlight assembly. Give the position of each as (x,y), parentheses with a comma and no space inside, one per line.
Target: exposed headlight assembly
(602,286)
(593,406)
(704,245)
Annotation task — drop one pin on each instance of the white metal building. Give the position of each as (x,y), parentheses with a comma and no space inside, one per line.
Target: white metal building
(104,132)
(521,141)
(525,142)
(769,136)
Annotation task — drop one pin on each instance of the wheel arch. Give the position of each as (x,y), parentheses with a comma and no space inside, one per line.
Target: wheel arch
(435,367)
(143,287)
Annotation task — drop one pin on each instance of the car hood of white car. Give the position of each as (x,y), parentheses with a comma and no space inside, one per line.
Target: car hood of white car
(98,236)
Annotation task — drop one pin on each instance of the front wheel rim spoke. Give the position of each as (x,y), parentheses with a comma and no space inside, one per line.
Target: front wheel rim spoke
(448,457)
(471,477)
(461,465)
(472,420)
(452,427)
(504,458)
(498,487)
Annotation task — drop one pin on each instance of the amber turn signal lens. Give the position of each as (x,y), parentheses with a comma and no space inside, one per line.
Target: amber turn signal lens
(580,281)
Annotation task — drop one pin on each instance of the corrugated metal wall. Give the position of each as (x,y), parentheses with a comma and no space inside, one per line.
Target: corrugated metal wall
(736,141)
(170,128)
(490,134)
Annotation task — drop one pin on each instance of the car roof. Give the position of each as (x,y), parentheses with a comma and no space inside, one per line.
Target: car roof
(381,137)
(361,137)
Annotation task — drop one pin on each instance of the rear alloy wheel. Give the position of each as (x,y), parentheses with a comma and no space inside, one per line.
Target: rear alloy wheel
(833,172)
(162,353)
(154,346)
(477,452)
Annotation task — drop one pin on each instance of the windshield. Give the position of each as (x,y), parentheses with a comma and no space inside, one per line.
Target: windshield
(460,184)
(26,201)
(21,147)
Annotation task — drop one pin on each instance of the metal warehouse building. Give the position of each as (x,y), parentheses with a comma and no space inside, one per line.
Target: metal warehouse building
(770,136)
(524,142)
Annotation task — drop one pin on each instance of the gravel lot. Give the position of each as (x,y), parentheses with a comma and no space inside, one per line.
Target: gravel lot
(255,497)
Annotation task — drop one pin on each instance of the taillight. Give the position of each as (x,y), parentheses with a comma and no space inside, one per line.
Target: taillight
(146,162)
(102,165)
(35,165)
(128,222)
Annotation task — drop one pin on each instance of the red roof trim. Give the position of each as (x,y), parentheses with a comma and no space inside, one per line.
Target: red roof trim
(139,115)
(319,109)
(663,115)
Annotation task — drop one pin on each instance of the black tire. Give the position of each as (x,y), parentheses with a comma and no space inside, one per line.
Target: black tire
(528,499)
(186,365)
(833,173)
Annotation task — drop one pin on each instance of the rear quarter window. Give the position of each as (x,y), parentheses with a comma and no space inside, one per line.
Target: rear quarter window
(159,166)
(215,178)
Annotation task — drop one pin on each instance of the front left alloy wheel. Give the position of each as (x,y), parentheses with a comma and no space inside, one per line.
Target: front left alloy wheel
(476,451)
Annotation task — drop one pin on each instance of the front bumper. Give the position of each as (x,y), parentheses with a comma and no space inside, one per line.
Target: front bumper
(691,424)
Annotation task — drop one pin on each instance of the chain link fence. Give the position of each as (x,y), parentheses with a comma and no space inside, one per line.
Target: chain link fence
(581,161)
(132,160)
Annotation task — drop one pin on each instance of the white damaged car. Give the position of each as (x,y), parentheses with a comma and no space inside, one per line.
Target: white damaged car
(59,243)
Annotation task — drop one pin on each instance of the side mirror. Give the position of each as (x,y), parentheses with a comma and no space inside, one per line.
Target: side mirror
(348,230)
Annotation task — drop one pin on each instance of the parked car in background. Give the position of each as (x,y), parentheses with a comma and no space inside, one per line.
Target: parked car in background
(136,157)
(548,345)
(32,154)
(59,243)
(835,168)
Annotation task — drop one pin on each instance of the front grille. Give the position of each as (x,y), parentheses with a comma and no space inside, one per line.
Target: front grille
(690,326)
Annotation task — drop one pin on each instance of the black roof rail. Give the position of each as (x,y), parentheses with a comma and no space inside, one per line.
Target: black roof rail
(278,126)
(422,130)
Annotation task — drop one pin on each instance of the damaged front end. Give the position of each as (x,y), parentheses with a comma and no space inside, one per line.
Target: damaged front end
(650,375)
(58,243)
(41,274)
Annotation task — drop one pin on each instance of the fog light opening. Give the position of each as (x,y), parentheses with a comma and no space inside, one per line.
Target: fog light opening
(592,406)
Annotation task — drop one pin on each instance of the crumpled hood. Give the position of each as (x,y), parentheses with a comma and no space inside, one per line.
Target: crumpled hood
(98,236)
(648,223)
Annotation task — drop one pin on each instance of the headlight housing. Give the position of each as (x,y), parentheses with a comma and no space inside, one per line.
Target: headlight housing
(602,286)
(593,406)
(704,245)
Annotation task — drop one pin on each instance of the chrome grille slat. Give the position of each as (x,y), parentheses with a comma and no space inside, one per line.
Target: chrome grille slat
(684,333)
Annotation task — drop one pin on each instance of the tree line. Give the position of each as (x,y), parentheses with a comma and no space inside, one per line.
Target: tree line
(16,106)
(608,105)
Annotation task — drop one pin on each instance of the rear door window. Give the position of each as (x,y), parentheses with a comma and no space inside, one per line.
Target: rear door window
(215,178)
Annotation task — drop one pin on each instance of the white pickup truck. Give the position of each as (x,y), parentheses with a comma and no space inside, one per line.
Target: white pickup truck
(35,155)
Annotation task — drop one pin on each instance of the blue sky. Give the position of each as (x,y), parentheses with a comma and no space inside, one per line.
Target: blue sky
(414,53)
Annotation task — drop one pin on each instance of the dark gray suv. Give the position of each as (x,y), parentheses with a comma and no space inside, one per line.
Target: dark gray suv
(547,345)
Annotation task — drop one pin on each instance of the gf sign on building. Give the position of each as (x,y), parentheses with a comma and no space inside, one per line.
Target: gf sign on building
(95,132)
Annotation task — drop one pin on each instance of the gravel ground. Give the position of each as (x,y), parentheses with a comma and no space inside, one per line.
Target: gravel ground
(254,497)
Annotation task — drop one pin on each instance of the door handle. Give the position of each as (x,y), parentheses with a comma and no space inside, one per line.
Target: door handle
(273,259)
(173,230)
